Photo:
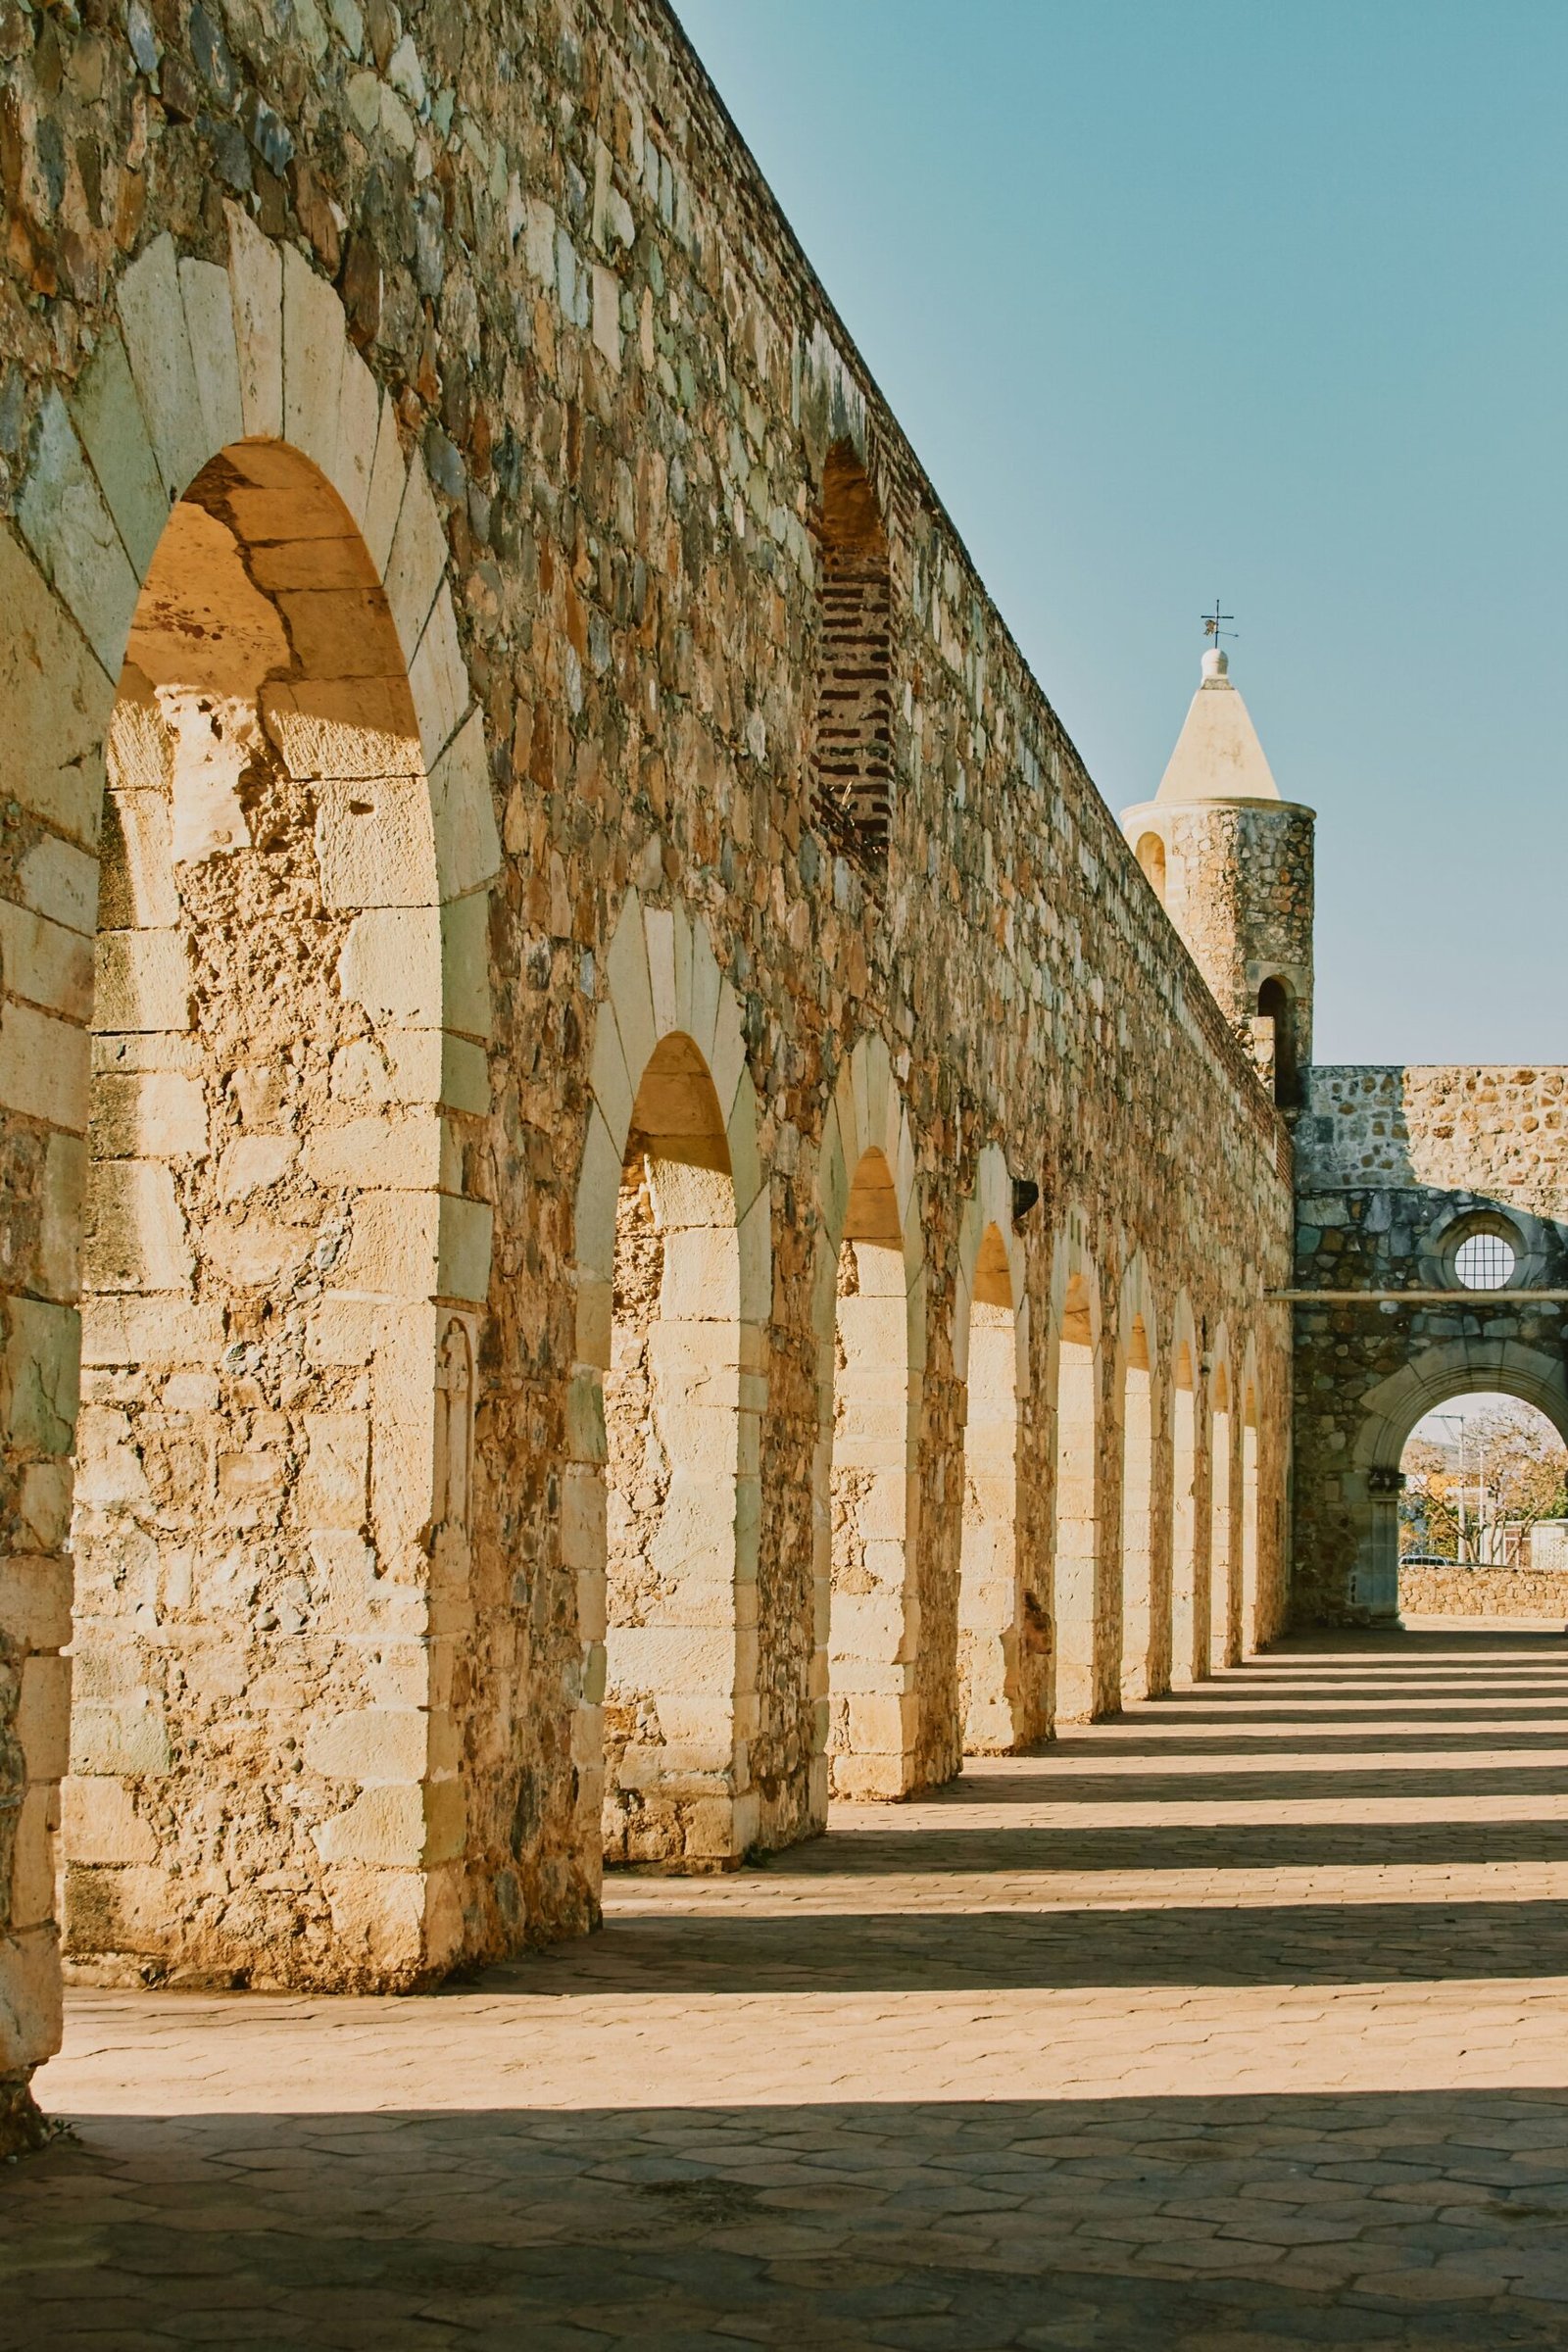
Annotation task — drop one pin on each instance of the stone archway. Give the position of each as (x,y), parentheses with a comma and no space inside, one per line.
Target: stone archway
(1084,1649)
(1391,1410)
(1185,1375)
(868,1306)
(674,1270)
(246,370)
(1001,1654)
(1145,1568)
(1219,1648)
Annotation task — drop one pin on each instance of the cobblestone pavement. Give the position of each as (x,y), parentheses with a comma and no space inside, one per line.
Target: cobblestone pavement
(1227,2026)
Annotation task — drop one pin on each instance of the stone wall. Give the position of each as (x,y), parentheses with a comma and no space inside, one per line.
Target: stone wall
(1393,1166)
(1483,1592)
(1497,1132)
(506,286)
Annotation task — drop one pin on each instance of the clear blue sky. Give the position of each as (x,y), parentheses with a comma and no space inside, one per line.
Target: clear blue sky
(1269,301)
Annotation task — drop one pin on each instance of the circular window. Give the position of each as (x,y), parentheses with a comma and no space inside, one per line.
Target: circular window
(1484,1261)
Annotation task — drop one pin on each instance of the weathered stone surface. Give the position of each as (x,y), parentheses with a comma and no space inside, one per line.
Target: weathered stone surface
(1394,1166)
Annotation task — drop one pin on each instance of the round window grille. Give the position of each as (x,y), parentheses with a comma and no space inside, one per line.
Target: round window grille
(1484,1261)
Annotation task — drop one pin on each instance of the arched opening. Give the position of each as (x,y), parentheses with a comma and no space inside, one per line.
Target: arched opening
(1274,1034)
(1250,1627)
(987,1572)
(1150,855)
(1483,1510)
(853,731)
(1221,1644)
(672,1398)
(1137,1526)
(253,1796)
(1183,1517)
(871,1724)
(1076,1506)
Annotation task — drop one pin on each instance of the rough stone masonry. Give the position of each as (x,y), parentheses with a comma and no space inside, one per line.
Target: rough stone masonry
(555,966)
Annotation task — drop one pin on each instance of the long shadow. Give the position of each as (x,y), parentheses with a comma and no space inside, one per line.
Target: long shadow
(1343,1710)
(1159,1847)
(713,1951)
(981,1771)
(1257,1787)
(1146,2224)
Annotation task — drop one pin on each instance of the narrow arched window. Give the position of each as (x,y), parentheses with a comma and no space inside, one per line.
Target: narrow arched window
(854,734)
(1276,1020)
(1150,855)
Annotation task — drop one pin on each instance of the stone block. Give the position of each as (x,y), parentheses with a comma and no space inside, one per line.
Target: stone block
(35,1592)
(374,843)
(56,699)
(114,433)
(466,966)
(136,1234)
(381,1154)
(595,1311)
(438,679)
(384,1827)
(464,1250)
(402,1482)
(416,562)
(313,361)
(391,965)
(359,731)
(152,314)
(393,1253)
(57,1268)
(154,1114)
(59,880)
(334,1489)
(215,355)
(370,1744)
(43,1715)
(144,981)
(30,2009)
(383,503)
(150,1331)
(34,1859)
(359,416)
(100,1822)
(256,275)
(468,846)
(72,534)
(42,1386)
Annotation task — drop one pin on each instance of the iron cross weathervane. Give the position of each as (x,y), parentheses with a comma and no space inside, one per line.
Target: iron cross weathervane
(1212,623)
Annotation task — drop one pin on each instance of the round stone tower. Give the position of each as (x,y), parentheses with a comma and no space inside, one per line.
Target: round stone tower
(1232,865)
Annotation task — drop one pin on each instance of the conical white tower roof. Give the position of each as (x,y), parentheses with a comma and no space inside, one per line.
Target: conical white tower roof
(1218,754)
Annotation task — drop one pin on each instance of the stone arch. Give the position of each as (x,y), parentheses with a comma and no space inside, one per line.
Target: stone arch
(1185,1547)
(246,372)
(999,1622)
(1080,1610)
(1136,1361)
(868,1315)
(1391,1410)
(1223,1594)
(1250,1633)
(671,1160)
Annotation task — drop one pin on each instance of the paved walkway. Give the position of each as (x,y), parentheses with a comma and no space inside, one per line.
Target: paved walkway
(1233,2024)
